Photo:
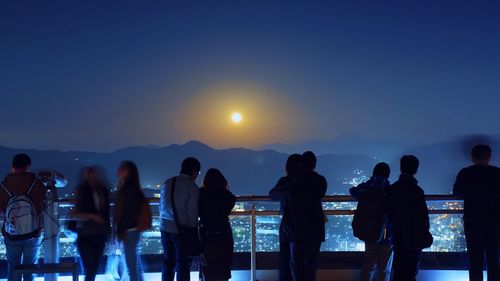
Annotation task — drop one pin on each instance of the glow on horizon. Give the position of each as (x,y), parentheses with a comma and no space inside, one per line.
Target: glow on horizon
(212,114)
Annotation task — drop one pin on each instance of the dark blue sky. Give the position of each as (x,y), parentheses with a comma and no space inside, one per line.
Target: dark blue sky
(105,74)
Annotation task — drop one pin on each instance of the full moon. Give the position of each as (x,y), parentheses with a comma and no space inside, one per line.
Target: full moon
(236,117)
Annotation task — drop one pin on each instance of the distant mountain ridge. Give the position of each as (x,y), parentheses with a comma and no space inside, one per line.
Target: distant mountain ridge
(248,171)
(251,171)
(346,144)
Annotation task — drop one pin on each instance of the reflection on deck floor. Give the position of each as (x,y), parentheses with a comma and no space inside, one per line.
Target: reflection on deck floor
(330,275)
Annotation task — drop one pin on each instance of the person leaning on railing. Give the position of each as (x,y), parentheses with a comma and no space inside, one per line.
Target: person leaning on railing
(370,224)
(280,193)
(308,220)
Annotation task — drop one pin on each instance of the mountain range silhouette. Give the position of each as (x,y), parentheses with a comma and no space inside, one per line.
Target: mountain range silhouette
(250,172)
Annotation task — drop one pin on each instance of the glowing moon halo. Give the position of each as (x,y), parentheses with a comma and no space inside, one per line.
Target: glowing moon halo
(236,117)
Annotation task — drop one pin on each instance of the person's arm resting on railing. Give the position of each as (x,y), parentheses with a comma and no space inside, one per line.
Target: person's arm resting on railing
(279,191)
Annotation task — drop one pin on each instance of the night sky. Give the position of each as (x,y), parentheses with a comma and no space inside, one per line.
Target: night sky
(100,75)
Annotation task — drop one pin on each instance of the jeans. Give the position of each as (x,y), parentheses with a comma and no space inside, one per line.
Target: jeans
(406,264)
(21,252)
(304,260)
(91,248)
(482,242)
(173,260)
(132,253)
(377,262)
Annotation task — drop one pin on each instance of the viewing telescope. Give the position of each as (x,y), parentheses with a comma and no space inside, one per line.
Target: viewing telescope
(52,178)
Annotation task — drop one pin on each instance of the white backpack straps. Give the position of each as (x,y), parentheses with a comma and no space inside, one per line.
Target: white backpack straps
(5,189)
(31,187)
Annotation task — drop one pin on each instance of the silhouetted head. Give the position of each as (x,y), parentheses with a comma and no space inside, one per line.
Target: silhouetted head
(481,154)
(309,161)
(128,173)
(214,179)
(21,163)
(293,164)
(93,177)
(382,170)
(191,167)
(409,165)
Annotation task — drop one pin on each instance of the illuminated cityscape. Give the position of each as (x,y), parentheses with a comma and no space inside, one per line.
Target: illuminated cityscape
(447,230)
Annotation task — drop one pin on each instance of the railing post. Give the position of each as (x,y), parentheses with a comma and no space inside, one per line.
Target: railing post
(253,250)
(51,231)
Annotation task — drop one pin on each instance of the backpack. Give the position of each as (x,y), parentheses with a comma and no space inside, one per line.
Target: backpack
(21,216)
(369,222)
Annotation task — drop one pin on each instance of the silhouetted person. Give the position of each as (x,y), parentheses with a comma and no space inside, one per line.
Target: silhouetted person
(132,216)
(280,193)
(93,219)
(409,217)
(216,204)
(181,212)
(378,248)
(479,185)
(21,201)
(308,220)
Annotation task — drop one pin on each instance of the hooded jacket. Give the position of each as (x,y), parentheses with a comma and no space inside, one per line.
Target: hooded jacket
(375,183)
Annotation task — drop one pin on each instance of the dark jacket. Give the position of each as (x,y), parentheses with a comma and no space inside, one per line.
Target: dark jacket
(85,204)
(375,183)
(280,192)
(19,184)
(480,188)
(129,201)
(407,212)
(301,197)
(215,206)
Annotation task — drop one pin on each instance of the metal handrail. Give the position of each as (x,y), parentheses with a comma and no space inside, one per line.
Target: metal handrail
(344,198)
(326,199)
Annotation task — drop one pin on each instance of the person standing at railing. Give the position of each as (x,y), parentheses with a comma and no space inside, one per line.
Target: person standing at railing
(479,185)
(408,214)
(370,224)
(179,221)
(132,216)
(307,219)
(21,202)
(216,204)
(280,193)
(92,218)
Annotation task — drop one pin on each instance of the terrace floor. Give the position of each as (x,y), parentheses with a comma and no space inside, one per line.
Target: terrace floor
(324,275)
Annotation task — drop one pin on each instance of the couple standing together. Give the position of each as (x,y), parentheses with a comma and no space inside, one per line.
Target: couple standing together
(195,222)
(302,228)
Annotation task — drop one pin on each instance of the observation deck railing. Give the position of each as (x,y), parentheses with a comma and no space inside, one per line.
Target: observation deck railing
(255,221)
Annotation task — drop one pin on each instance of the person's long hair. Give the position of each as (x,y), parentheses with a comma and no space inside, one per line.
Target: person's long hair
(214,179)
(132,183)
